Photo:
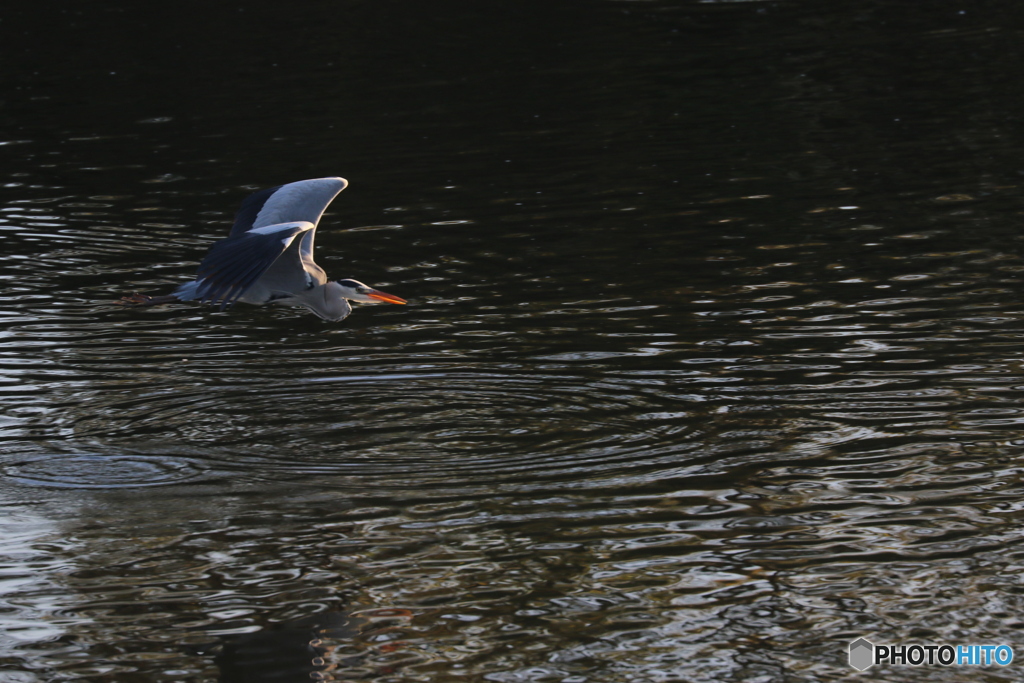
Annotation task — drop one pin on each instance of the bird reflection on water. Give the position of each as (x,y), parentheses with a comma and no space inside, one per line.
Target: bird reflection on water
(304,649)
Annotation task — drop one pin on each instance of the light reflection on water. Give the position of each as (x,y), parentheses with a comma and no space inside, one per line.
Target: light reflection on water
(679,394)
(613,484)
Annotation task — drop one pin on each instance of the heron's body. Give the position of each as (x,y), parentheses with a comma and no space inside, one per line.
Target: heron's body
(268,256)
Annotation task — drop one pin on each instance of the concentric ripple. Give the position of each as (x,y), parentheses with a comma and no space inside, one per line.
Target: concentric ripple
(99,471)
(412,426)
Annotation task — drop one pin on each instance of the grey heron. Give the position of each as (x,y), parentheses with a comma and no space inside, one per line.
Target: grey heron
(268,257)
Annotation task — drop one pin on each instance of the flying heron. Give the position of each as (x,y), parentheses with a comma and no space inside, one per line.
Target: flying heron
(268,257)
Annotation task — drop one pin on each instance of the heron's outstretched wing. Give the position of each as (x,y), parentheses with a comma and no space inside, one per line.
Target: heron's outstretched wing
(304,200)
(236,263)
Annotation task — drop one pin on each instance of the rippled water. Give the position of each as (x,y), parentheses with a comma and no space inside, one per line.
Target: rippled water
(711,364)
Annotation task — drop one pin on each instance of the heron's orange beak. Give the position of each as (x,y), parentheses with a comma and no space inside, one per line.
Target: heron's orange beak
(385,297)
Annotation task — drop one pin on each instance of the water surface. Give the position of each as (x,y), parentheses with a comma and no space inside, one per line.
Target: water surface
(711,364)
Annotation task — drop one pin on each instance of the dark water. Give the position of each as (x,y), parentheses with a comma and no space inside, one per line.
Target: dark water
(712,364)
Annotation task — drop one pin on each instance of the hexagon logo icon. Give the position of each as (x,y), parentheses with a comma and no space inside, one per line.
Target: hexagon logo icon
(862,654)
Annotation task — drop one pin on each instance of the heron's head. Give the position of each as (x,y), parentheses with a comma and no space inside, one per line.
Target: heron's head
(353,290)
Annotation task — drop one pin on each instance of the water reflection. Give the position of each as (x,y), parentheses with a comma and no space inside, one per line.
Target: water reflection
(33,600)
(710,365)
(317,647)
(546,488)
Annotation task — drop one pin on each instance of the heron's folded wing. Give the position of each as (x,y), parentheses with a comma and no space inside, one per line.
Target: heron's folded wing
(303,200)
(236,263)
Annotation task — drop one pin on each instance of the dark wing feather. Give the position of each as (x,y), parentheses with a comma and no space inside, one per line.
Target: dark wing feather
(236,263)
(249,209)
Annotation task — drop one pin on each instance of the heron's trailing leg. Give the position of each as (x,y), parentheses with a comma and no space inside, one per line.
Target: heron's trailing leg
(137,299)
